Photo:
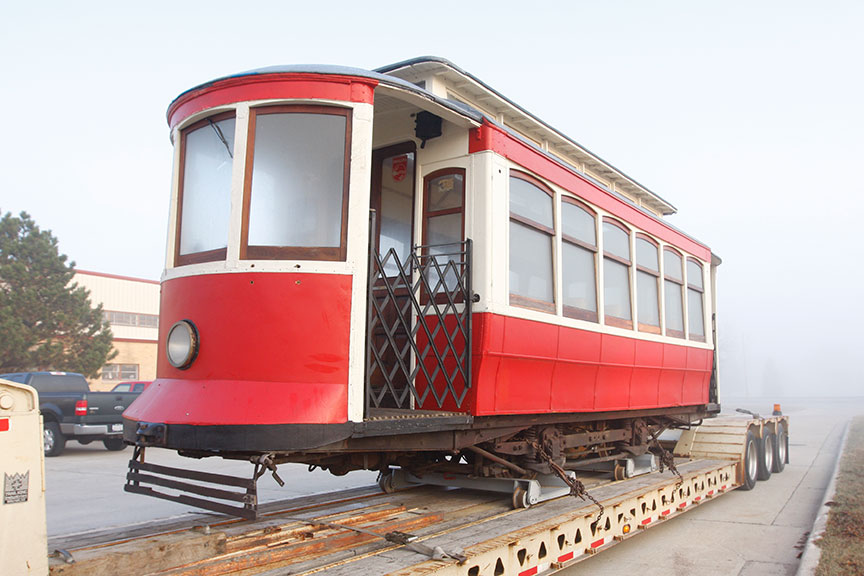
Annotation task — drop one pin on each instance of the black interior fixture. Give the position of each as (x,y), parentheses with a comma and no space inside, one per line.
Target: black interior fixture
(426,127)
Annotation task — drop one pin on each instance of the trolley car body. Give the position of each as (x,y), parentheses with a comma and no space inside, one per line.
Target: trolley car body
(507,279)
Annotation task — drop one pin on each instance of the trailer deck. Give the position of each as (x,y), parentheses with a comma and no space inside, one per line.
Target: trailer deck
(422,530)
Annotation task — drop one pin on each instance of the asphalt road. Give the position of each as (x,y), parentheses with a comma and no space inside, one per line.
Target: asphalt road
(742,533)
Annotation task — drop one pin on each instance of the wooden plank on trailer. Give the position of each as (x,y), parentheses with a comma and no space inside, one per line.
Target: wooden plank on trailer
(130,557)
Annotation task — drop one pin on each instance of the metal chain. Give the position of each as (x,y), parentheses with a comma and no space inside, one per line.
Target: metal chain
(667,460)
(576,486)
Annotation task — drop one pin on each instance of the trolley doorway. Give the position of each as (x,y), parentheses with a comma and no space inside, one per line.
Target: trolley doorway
(419,300)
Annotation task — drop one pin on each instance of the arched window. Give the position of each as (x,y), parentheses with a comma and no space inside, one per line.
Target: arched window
(695,297)
(532,231)
(647,284)
(444,219)
(673,284)
(616,274)
(579,266)
(204,202)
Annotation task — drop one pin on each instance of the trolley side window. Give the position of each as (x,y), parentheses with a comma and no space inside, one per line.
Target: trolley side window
(673,286)
(579,260)
(444,219)
(532,234)
(295,203)
(695,306)
(616,274)
(647,285)
(204,202)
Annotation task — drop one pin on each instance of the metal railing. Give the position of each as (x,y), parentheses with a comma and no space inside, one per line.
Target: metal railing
(419,328)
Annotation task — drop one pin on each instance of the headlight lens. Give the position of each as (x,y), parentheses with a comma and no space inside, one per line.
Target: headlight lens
(182,344)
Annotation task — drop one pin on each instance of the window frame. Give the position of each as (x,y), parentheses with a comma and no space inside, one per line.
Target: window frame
(525,301)
(325,253)
(574,311)
(680,283)
(614,320)
(698,337)
(427,214)
(109,376)
(217,254)
(656,274)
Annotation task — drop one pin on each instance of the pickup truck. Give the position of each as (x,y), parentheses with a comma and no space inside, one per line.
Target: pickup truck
(70,411)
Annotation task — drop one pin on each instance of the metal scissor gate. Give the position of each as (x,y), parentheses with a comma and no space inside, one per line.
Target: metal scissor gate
(419,328)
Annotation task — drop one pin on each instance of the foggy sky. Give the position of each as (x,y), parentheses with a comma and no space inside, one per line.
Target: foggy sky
(744,115)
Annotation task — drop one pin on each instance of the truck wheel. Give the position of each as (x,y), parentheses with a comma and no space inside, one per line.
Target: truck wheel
(751,461)
(53,441)
(114,444)
(766,454)
(781,449)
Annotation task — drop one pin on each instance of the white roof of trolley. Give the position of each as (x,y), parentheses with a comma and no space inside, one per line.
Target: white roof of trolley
(440,81)
(454,83)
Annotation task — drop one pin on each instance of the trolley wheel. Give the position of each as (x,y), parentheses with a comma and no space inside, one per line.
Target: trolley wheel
(620,472)
(385,482)
(520,498)
(766,454)
(781,449)
(53,441)
(751,461)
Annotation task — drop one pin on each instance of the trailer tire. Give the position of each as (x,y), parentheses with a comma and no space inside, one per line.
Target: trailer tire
(766,454)
(751,461)
(53,441)
(781,449)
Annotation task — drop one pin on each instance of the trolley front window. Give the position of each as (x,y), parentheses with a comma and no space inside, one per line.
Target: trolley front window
(296,190)
(204,203)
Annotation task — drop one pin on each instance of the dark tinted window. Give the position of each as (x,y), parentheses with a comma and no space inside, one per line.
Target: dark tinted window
(59,383)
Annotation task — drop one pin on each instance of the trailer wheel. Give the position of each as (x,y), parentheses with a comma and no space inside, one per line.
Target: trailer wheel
(53,441)
(751,461)
(781,449)
(766,454)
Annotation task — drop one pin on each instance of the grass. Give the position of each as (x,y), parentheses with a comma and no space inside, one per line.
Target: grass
(842,544)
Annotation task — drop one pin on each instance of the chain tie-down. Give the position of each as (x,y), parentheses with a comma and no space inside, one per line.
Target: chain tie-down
(576,487)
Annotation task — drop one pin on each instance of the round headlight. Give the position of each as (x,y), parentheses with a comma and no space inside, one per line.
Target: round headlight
(182,344)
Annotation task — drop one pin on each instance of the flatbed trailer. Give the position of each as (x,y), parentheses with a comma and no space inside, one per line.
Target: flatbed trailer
(427,530)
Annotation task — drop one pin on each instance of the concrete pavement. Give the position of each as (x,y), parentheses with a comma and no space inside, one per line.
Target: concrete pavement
(756,533)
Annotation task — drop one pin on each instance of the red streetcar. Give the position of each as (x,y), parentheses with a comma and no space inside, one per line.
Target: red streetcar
(401,269)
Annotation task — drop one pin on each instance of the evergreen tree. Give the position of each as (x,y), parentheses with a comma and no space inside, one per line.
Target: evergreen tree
(46,321)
